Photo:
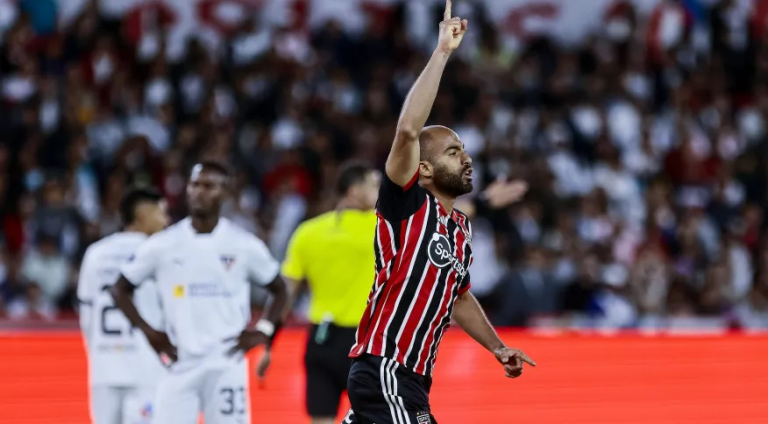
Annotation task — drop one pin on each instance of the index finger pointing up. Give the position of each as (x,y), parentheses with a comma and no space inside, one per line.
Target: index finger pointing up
(447,13)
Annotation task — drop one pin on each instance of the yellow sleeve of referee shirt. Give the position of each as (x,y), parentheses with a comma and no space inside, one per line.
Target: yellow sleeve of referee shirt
(294,266)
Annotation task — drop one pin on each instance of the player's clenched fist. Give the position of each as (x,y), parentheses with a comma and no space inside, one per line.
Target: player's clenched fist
(451,30)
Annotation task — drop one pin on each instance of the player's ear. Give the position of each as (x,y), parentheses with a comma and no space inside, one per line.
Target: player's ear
(228,187)
(426,169)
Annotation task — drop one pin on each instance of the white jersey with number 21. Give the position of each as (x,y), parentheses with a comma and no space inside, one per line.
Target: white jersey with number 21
(118,355)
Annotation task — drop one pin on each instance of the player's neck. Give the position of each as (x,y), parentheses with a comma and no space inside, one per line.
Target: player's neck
(205,224)
(445,200)
(347,203)
(135,229)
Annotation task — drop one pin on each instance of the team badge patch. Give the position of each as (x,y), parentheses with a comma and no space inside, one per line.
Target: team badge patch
(423,418)
(227,261)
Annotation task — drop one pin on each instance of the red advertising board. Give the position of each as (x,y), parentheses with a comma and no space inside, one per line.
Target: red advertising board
(580,379)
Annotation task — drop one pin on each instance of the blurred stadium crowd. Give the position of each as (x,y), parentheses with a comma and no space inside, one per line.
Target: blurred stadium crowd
(644,147)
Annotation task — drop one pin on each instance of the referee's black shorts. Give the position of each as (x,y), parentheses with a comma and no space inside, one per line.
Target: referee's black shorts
(327,366)
(382,391)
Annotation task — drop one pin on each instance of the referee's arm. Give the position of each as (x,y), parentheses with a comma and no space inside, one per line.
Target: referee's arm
(293,268)
(296,288)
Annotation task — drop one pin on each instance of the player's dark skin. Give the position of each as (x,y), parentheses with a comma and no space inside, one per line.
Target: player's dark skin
(206,191)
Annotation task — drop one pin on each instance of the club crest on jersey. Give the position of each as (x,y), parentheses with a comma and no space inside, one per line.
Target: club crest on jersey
(440,254)
(227,261)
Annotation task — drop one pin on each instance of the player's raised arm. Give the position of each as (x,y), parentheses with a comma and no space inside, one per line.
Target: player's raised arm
(403,161)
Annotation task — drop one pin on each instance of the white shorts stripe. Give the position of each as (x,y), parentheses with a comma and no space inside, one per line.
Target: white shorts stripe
(384,376)
(389,389)
(397,399)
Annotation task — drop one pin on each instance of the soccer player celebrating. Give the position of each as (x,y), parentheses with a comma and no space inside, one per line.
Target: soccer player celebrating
(123,368)
(203,266)
(423,248)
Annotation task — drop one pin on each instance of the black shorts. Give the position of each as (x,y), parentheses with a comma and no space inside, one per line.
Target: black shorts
(327,366)
(381,391)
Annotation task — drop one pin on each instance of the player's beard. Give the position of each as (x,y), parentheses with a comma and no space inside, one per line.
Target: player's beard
(451,183)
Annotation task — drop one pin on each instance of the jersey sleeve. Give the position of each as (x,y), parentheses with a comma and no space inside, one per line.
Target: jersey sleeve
(142,265)
(85,290)
(262,266)
(294,265)
(397,203)
(465,285)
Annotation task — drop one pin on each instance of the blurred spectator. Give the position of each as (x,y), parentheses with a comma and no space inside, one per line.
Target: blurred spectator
(644,139)
(32,305)
(47,269)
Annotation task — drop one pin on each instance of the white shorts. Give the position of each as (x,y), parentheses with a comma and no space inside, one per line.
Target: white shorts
(219,392)
(121,405)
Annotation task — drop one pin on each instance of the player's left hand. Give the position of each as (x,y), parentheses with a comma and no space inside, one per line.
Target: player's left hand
(264,362)
(502,193)
(247,340)
(513,359)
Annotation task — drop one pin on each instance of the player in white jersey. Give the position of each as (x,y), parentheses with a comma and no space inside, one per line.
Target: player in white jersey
(203,266)
(123,367)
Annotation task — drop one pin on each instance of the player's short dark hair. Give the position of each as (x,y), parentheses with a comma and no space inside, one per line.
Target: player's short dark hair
(133,198)
(215,166)
(352,173)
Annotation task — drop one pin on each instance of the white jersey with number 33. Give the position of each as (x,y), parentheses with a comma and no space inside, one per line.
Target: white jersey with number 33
(118,355)
(204,282)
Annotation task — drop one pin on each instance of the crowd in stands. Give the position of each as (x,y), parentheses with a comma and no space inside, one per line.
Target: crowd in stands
(646,156)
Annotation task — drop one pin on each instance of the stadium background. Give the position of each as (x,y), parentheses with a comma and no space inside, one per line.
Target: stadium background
(637,261)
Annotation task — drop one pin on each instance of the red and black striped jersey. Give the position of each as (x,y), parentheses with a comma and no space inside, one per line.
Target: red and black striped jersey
(423,253)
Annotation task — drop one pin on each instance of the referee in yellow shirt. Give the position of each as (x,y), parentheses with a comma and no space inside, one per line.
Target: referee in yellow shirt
(333,253)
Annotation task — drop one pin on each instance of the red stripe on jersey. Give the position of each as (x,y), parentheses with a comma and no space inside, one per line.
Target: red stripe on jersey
(462,221)
(431,338)
(414,316)
(413,241)
(387,252)
(461,248)
(376,300)
(413,180)
(387,249)
(386,300)
(460,241)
